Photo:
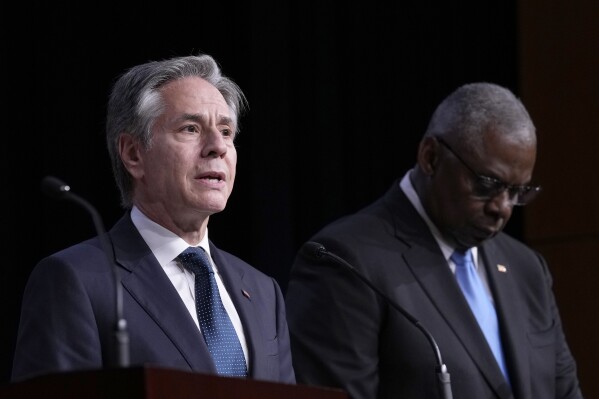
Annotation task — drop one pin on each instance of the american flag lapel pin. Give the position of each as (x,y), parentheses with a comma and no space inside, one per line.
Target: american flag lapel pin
(501,268)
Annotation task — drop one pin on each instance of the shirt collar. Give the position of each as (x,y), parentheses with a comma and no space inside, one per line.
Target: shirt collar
(408,189)
(164,244)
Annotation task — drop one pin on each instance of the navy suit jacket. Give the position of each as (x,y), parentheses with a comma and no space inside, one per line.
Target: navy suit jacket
(345,335)
(68,312)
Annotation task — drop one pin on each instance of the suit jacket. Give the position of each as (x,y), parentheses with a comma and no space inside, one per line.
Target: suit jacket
(343,334)
(68,312)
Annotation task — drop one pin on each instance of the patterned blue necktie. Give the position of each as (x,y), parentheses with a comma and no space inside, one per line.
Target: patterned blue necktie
(479,302)
(215,323)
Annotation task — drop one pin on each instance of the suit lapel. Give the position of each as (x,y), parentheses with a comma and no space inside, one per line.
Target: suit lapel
(430,268)
(436,279)
(241,295)
(507,304)
(150,287)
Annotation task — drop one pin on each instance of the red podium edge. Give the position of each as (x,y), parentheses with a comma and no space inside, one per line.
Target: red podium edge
(150,382)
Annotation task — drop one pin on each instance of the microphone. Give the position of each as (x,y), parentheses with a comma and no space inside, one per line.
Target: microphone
(317,252)
(55,188)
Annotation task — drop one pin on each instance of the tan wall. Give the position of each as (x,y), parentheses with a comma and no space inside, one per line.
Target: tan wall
(559,83)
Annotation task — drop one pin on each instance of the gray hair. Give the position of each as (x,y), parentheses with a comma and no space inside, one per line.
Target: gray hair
(135,102)
(477,108)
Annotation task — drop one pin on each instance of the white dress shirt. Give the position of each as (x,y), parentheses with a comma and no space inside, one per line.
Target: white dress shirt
(166,246)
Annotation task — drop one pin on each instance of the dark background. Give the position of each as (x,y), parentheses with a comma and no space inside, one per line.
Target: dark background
(339,98)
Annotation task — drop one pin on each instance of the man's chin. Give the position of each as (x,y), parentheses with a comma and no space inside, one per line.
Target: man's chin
(473,240)
(211,203)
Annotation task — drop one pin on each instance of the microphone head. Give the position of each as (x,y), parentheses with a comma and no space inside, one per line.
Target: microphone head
(54,187)
(313,250)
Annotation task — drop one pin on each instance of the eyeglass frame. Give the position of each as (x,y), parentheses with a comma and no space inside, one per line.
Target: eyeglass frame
(493,186)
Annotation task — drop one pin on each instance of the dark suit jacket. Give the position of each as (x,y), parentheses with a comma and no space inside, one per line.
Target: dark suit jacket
(68,312)
(345,335)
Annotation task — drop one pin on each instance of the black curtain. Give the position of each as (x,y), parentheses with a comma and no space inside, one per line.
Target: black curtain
(339,98)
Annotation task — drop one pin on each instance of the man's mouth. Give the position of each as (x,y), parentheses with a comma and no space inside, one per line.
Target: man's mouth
(213,177)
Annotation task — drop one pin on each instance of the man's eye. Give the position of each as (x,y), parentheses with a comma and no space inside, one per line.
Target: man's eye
(489,183)
(520,190)
(227,132)
(190,129)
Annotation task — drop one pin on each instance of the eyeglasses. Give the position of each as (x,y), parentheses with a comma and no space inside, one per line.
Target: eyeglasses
(486,187)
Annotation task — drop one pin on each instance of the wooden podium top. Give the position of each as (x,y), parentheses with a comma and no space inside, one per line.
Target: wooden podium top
(157,383)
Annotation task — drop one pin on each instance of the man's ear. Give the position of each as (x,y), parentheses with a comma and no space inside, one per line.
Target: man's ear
(130,153)
(428,155)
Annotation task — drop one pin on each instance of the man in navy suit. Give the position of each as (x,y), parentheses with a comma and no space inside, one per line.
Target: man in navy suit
(170,131)
(474,164)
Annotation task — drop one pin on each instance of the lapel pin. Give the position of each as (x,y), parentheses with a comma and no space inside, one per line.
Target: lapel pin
(501,268)
(246,294)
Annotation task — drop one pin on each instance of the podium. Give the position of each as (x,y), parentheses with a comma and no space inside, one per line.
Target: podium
(157,383)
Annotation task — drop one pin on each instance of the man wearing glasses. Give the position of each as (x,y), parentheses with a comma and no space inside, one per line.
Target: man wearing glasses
(433,248)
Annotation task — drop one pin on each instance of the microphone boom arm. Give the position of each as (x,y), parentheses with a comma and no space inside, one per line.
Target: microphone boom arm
(56,188)
(444,380)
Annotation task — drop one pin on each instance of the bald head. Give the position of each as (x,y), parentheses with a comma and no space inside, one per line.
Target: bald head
(477,108)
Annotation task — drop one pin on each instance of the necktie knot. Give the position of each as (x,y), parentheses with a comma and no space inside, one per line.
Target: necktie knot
(462,258)
(195,259)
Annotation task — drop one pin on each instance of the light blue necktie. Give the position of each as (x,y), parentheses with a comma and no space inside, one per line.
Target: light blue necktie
(479,302)
(216,326)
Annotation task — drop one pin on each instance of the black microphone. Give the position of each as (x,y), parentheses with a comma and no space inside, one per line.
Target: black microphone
(316,251)
(57,189)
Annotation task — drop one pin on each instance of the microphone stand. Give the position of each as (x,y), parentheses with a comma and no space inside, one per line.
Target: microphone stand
(443,378)
(57,189)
